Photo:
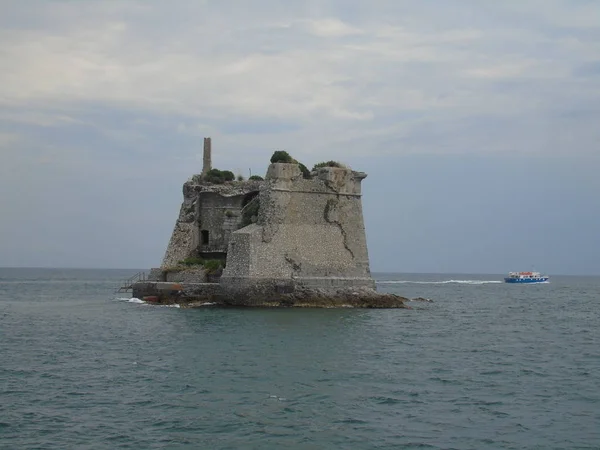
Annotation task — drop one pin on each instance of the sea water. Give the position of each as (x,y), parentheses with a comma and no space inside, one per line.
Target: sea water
(485,365)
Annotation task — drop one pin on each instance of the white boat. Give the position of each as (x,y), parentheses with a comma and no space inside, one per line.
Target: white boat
(526,277)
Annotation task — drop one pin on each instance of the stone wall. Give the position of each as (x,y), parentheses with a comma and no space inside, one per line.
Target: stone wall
(213,208)
(310,232)
(219,216)
(184,240)
(187,275)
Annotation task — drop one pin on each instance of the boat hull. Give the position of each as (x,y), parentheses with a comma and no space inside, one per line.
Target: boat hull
(526,280)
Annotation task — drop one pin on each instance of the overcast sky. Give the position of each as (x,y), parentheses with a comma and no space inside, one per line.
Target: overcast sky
(478,122)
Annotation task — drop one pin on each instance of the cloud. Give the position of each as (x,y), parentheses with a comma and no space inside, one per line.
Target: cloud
(126,90)
(8,140)
(328,68)
(330,71)
(332,27)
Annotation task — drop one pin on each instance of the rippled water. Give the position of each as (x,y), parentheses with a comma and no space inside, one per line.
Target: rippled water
(487,365)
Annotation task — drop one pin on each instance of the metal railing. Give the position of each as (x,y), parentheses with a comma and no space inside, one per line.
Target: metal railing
(126,285)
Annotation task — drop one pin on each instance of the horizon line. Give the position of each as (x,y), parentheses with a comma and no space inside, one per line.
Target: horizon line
(372,272)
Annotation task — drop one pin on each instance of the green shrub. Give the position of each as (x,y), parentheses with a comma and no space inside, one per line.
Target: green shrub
(281,156)
(228,175)
(327,164)
(256,178)
(240,178)
(210,265)
(213,265)
(217,176)
(304,170)
(192,261)
(214,173)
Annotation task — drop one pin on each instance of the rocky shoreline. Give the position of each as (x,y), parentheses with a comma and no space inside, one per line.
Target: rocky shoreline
(206,294)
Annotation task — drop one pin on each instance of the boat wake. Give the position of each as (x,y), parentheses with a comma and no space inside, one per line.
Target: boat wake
(471,282)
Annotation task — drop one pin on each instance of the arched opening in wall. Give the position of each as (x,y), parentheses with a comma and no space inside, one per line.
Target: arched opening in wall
(204,237)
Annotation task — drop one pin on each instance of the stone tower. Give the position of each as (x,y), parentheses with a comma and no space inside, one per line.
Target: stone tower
(310,232)
(206,159)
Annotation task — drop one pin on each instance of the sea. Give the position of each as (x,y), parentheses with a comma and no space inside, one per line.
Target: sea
(484,365)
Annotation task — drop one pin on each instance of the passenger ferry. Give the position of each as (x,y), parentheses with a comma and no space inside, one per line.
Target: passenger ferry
(526,277)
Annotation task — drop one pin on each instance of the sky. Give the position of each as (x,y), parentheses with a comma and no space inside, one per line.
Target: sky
(478,122)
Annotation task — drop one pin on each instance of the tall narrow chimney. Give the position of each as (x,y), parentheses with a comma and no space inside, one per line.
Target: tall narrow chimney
(206,160)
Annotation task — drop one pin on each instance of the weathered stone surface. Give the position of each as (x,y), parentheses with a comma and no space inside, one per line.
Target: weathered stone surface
(156,274)
(359,297)
(265,294)
(207,158)
(304,247)
(310,231)
(180,293)
(208,215)
(187,275)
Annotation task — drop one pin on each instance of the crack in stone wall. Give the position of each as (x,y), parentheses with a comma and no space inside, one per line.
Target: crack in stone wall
(331,215)
(296,267)
(310,231)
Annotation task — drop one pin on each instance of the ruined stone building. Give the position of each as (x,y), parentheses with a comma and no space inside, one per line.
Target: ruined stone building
(209,214)
(293,237)
(309,232)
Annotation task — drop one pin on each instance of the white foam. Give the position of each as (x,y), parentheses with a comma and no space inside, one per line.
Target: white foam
(472,282)
(128,300)
(138,301)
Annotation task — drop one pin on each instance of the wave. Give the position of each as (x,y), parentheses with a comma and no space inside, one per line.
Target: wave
(130,300)
(142,302)
(472,282)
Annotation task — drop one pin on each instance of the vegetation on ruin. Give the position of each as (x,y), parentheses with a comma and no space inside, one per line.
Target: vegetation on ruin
(327,164)
(210,265)
(304,170)
(281,156)
(213,265)
(217,176)
(191,261)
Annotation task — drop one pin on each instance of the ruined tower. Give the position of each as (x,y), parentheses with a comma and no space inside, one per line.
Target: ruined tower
(206,159)
(292,239)
(310,233)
